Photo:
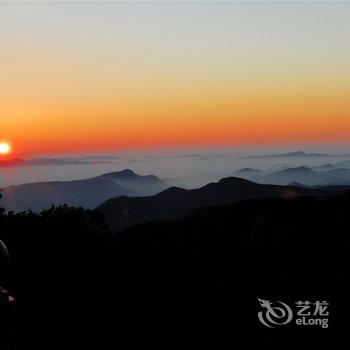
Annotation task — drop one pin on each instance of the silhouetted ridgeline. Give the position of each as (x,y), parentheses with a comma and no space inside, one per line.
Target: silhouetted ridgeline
(87,193)
(174,203)
(324,175)
(198,277)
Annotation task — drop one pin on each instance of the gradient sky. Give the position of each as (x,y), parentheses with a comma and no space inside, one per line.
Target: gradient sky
(90,76)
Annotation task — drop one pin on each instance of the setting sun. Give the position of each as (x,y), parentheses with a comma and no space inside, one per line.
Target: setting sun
(5,148)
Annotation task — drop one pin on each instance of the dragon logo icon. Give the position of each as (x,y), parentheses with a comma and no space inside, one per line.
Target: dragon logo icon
(274,313)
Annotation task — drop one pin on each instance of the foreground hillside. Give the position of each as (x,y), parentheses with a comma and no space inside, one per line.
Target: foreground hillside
(175,202)
(198,278)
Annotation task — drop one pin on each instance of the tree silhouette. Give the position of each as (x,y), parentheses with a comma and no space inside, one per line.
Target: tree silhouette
(199,276)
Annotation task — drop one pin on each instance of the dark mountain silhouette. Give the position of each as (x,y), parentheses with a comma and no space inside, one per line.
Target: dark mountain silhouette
(176,202)
(87,193)
(196,279)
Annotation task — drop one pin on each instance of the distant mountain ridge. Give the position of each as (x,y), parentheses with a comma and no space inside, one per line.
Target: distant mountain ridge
(93,158)
(249,172)
(87,193)
(51,161)
(325,175)
(291,155)
(176,202)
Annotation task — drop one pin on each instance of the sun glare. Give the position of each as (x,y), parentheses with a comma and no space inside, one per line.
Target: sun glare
(5,148)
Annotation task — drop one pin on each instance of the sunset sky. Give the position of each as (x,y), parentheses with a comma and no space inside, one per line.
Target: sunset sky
(87,76)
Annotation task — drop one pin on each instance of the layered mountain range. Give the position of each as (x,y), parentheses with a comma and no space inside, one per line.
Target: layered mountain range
(325,175)
(88,193)
(174,203)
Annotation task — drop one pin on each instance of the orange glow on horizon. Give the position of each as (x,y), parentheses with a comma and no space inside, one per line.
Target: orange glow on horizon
(212,118)
(129,76)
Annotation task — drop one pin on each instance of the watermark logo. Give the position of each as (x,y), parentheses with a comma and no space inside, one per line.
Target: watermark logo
(274,314)
(303,313)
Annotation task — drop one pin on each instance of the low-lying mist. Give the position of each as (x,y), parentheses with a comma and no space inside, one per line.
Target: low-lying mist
(186,168)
